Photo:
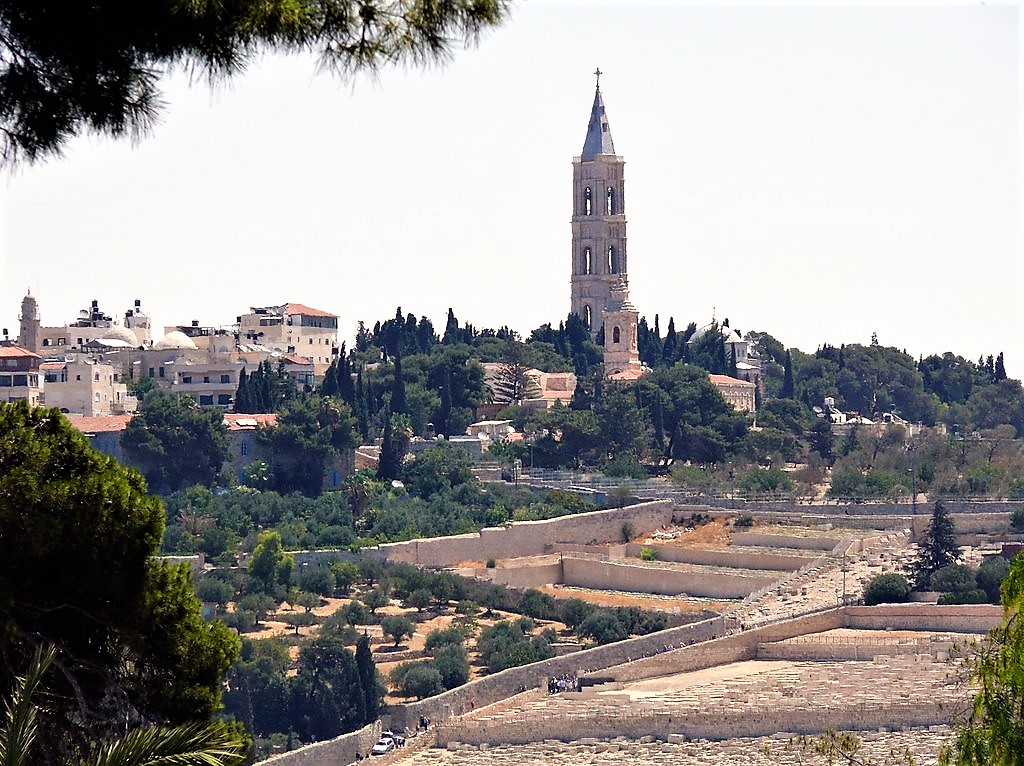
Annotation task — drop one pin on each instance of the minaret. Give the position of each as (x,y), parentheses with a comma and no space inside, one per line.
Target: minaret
(28,334)
(598,219)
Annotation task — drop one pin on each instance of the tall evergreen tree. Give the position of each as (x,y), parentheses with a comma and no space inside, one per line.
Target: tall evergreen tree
(343,375)
(329,386)
(368,679)
(242,395)
(937,549)
(359,408)
(398,404)
(389,462)
(669,351)
(788,391)
(451,329)
(1000,371)
(732,360)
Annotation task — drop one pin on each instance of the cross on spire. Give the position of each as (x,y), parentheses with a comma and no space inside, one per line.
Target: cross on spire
(598,73)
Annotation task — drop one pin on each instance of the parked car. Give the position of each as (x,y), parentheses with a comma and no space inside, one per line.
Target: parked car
(398,738)
(384,745)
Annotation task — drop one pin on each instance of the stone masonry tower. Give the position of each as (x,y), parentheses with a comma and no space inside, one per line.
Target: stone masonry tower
(621,352)
(28,335)
(598,219)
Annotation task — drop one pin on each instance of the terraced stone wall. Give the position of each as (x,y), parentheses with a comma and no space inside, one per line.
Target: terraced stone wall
(639,578)
(779,562)
(968,618)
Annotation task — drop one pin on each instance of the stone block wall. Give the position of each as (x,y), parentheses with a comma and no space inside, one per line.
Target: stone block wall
(491,689)
(968,618)
(530,538)
(722,558)
(640,578)
(340,750)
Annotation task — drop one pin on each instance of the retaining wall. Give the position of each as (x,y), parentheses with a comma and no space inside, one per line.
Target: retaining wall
(529,538)
(756,722)
(739,559)
(966,618)
(491,689)
(339,750)
(637,577)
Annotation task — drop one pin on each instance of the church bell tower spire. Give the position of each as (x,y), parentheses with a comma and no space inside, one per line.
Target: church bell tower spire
(598,218)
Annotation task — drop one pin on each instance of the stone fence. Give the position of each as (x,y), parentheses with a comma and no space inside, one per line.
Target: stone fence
(731,556)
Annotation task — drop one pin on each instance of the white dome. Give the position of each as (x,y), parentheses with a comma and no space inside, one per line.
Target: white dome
(116,332)
(174,339)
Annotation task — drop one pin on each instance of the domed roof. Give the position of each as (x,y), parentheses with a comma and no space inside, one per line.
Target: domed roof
(174,339)
(117,332)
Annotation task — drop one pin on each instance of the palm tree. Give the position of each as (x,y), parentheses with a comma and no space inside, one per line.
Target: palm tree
(197,744)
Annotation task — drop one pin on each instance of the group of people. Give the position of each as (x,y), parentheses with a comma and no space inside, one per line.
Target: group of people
(563,683)
(423,724)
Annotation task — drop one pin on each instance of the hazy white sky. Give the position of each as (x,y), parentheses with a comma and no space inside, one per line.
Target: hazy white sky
(819,173)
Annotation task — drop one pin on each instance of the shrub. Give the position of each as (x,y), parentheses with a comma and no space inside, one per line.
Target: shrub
(491,563)
(442,637)
(886,589)
(1017,518)
(628,531)
(397,627)
(452,665)
(648,554)
(745,520)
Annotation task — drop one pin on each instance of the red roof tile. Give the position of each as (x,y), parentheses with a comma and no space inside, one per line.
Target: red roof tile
(17,351)
(99,424)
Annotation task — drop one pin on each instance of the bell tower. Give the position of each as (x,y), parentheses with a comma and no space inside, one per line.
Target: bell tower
(598,219)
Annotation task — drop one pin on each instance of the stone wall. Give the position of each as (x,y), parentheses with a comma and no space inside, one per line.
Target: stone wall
(696,725)
(339,750)
(529,538)
(529,576)
(491,689)
(968,618)
(643,577)
(735,647)
(739,559)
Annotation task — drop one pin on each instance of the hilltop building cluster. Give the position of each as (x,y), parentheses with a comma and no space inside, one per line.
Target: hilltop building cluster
(84,366)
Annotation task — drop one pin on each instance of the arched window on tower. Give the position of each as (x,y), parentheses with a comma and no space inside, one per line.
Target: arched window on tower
(588,201)
(588,261)
(616,335)
(612,264)
(609,202)
(588,315)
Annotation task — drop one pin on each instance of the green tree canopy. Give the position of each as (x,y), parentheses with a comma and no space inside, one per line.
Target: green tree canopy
(67,68)
(175,442)
(77,536)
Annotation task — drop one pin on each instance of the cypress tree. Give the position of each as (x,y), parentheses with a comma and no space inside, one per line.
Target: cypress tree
(451,329)
(787,377)
(329,387)
(398,388)
(669,349)
(1000,369)
(387,465)
(732,360)
(368,679)
(359,408)
(242,393)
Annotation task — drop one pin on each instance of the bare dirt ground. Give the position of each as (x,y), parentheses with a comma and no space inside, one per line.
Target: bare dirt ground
(642,600)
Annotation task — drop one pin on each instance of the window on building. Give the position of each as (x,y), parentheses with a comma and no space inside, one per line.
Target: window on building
(224,399)
(96,376)
(609,201)
(588,261)
(225,378)
(588,315)
(161,372)
(206,398)
(186,378)
(588,202)
(613,261)
(46,341)
(206,379)
(616,336)
(152,372)
(79,377)
(20,380)
(243,448)
(5,381)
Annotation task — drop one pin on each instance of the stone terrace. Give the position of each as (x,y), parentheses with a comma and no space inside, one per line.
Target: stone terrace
(751,698)
(780,750)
